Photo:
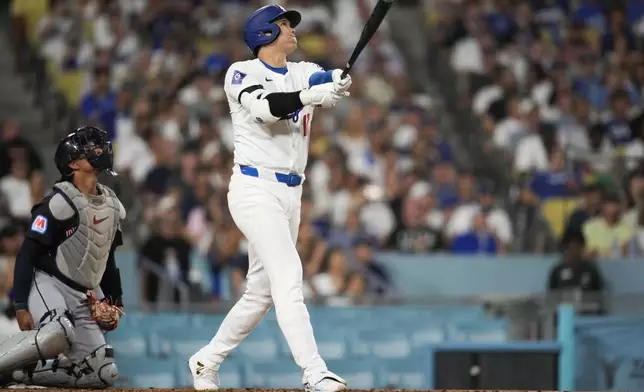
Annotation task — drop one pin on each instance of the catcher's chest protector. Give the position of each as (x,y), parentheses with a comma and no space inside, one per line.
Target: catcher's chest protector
(82,257)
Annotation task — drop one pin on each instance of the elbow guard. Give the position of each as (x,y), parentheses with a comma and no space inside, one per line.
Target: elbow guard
(258,106)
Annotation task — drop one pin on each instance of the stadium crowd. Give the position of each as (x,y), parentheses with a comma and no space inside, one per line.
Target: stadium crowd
(556,87)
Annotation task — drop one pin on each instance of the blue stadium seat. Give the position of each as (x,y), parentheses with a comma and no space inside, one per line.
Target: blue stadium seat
(359,374)
(331,344)
(407,373)
(423,334)
(178,341)
(127,342)
(146,372)
(207,321)
(381,344)
(231,374)
(282,373)
(260,345)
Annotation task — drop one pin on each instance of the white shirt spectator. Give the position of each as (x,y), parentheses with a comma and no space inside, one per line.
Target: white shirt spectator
(467,56)
(18,194)
(531,154)
(508,133)
(497,220)
(436,219)
(55,43)
(573,139)
(634,153)
(516,62)
(378,219)
(324,285)
(134,155)
(541,93)
(318,179)
(484,98)
(133,7)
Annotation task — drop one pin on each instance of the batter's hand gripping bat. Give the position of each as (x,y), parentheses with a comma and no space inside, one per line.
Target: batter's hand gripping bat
(370,28)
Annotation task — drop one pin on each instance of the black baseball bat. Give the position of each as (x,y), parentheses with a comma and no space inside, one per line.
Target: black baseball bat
(374,21)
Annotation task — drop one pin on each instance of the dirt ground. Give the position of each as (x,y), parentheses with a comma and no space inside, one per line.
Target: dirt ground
(245,390)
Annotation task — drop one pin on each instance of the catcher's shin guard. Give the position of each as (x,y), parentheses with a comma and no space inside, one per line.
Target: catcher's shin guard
(26,347)
(96,370)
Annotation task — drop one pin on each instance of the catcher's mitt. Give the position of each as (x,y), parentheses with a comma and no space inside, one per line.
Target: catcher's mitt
(105,314)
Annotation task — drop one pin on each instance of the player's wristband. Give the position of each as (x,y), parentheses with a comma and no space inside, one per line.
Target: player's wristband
(20,306)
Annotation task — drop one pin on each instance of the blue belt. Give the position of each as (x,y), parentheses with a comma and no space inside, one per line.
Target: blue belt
(290,179)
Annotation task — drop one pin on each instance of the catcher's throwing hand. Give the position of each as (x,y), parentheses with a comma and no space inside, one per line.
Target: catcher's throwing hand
(340,85)
(106,315)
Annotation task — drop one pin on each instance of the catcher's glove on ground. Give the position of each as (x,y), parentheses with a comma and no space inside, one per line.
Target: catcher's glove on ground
(321,95)
(106,315)
(340,85)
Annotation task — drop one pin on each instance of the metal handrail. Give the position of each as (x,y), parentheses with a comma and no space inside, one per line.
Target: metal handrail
(182,287)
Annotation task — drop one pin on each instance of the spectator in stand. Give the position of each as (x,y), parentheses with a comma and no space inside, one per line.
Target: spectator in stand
(165,257)
(17,188)
(99,105)
(14,146)
(496,220)
(331,282)
(576,273)
(618,125)
(532,231)
(558,181)
(11,237)
(413,233)
(478,239)
(607,236)
(589,208)
(376,276)
(532,151)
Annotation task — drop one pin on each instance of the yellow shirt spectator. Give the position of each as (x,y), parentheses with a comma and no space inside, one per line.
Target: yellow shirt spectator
(607,240)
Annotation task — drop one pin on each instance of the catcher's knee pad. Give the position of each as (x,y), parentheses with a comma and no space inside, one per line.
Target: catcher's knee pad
(54,336)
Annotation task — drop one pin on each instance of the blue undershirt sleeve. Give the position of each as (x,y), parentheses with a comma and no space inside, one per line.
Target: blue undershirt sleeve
(320,78)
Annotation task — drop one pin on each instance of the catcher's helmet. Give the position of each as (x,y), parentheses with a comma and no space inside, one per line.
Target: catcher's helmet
(89,143)
(259,28)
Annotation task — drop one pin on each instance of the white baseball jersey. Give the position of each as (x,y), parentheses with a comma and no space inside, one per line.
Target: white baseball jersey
(282,146)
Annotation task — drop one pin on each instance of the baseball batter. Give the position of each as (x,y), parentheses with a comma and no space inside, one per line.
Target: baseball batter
(65,265)
(271,104)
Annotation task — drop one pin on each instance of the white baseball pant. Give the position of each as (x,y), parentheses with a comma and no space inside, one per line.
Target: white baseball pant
(268,214)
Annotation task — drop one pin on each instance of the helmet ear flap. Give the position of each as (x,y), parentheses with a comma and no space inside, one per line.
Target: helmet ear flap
(266,36)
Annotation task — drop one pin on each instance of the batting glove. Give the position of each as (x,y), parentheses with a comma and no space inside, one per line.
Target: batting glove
(340,84)
(322,95)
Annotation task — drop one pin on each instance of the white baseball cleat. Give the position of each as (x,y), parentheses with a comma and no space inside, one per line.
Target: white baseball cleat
(24,386)
(325,382)
(203,376)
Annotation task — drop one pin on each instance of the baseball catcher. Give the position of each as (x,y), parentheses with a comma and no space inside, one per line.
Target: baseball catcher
(67,289)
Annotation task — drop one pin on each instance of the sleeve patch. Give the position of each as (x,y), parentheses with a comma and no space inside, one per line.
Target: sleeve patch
(238,77)
(39,225)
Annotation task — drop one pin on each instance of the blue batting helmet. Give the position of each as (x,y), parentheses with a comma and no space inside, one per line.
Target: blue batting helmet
(259,28)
